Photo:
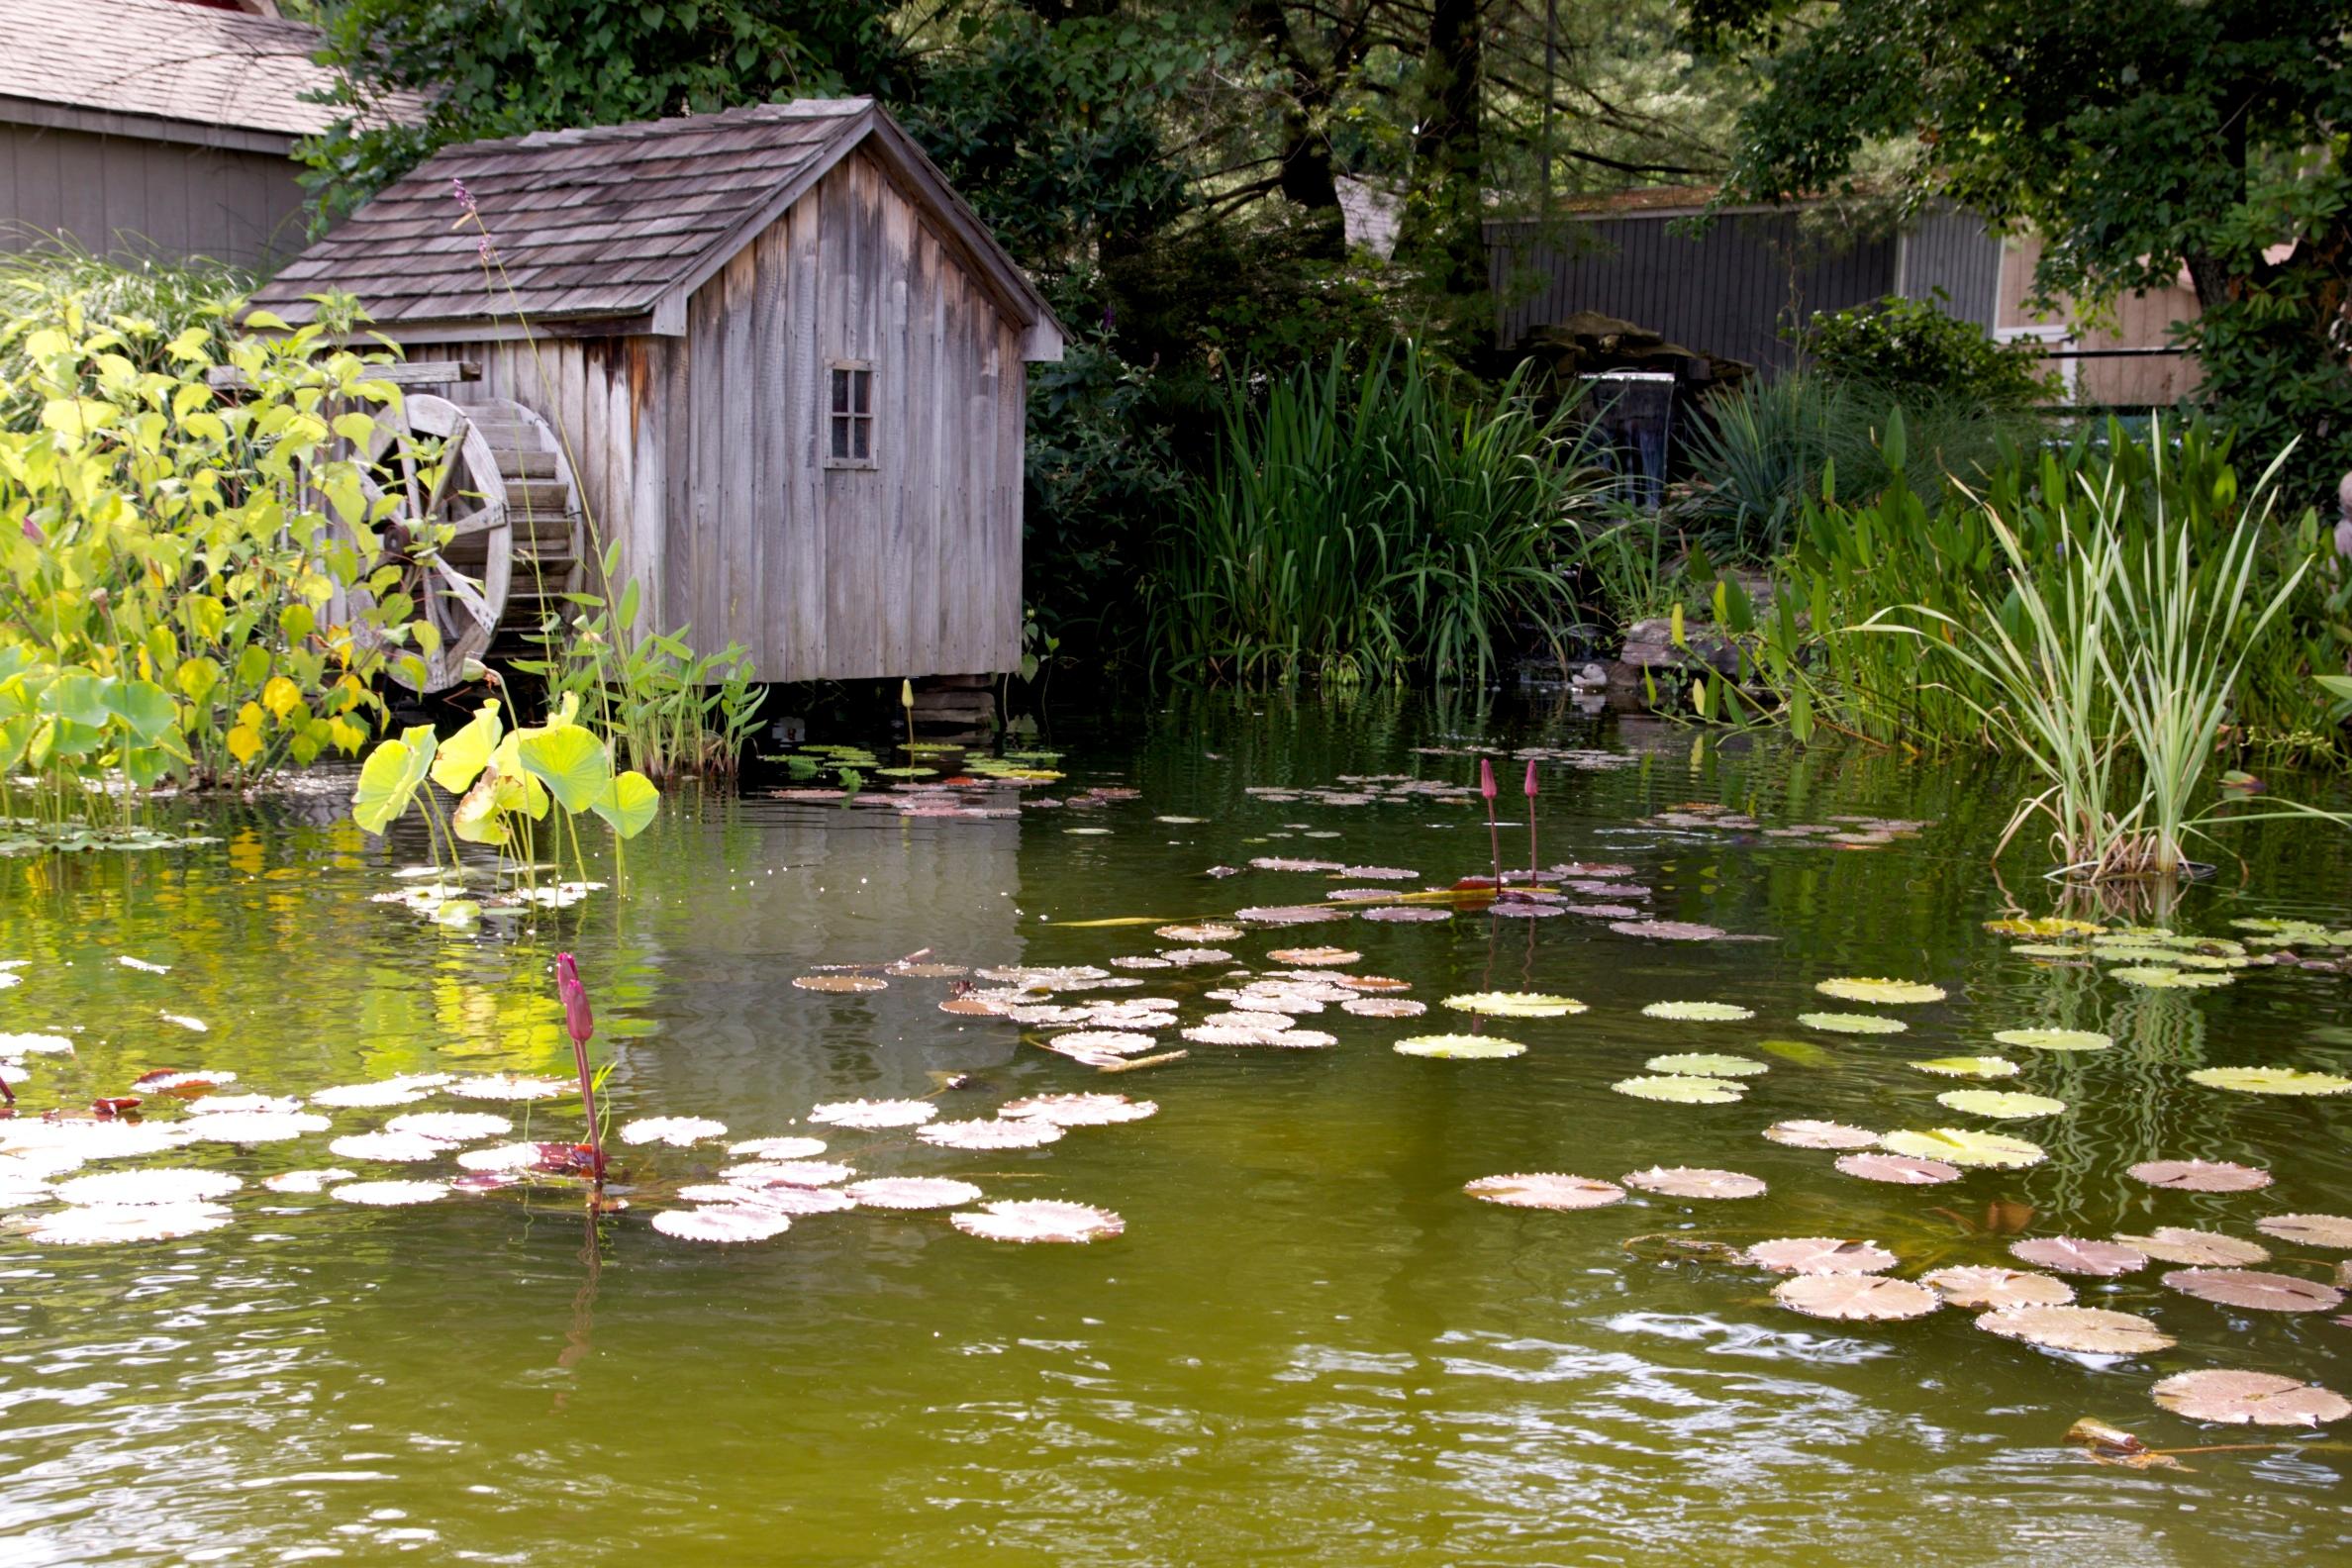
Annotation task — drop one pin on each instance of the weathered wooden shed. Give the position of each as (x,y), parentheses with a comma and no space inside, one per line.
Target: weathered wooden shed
(767,352)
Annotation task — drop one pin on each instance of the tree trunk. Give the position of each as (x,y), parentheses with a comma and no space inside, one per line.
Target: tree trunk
(1444,227)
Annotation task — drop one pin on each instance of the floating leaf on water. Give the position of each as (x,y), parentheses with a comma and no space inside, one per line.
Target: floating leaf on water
(1993,1288)
(2205,1248)
(1514,1004)
(502,1158)
(1282,863)
(725,1224)
(1805,1053)
(1964,1147)
(1181,822)
(1678,1089)
(1460,1047)
(129,1188)
(1804,1133)
(2158,978)
(1248,1020)
(34,1045)
(2073,1255)
(1187,957)
(451,1126)
(1901,1170)
(2310,1229)
(1383,1006)
(404,1090)
(1404,914)
(1669,930)
(1707,1064)
(307,1181)
(778,1148)
(2055,1039)
(2255,1291)
(388,1194)
(1039,1219)
(1969,1066)
(257,1126)
(2051,950)
(1698,1011)
(398,1148)
(2250,1398)
(1523,907)
(1999,1106)
(1545,1190)
(1044,1015)
(1687,1181)
(913,1192)
(1851,1023)
(226,1104)
(1866,1298)
(1290,915)
(778,1196)
(873,1115)
(2196,1175)
(97,1224)
(2269,1080)
(927,971)
(1096,1046)
(1202,932)
(676,1132)
(510,1086)
(840,982)
(2089,1331)
(1315,957)
(2045,925)
(1378,873)
(987,1133)
(1079,1110)
(196,1024)
(1819,1256)
(1880,992)
(1142,961)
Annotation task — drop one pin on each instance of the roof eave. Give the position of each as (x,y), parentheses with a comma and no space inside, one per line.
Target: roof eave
(146,128)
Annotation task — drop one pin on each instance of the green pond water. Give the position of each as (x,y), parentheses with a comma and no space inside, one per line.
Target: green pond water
(1308,1346)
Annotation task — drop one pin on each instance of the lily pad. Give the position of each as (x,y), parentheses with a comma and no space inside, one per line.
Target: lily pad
(1803,1133)
(869,1116)
(1545,1190)
(676,1132)
(1200,933)
(1698,1011)
(1851,1023)
(2255,1291)
(1856,1298)
(840,982)
(2073,1255)
(2159,978)
(98,1224)
(1900,1170)
(2250,1398)
(2055,1039)
(510,1086)
(1879,993)
(1685,1181)
(1669,930)
(128,1188)
(1383,1006)
(1999,1106)
(1406,914)
(2089,1331)
(1041,1220)
(778,1148)
(1819,1256)
(1993,1288)
(388,1194)
(1706,1064)
(2042,926)
(2196,1175)
(452,1126)
(2203,1248)
(1680,1089)
(1967,1066)
(399,1148)
(1460,1047)
(1316,957)
(1514,1004)
(1079,1110)
(913,1192)
(2271,1080)
(985,1134)
(2309,1230)
(725,1224)
(1964,1147)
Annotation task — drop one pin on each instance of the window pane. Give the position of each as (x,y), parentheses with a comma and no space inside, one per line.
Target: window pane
(861,391)
(840,391)
(841,436)
(861,437)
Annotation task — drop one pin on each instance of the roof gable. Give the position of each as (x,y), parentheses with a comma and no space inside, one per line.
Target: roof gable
(616,222)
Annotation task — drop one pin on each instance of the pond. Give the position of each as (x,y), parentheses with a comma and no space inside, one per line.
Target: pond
(1310,1345)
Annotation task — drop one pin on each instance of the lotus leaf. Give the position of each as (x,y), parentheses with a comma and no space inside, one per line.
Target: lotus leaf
(628,803)
(388,779)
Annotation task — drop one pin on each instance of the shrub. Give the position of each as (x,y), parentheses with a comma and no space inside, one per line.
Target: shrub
(1909,348)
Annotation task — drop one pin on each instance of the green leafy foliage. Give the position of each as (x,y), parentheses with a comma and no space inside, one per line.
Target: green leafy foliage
(1909,348)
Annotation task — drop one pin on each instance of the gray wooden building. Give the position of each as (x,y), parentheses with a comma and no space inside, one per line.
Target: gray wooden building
(154,127)
(768,352)
(1736,288)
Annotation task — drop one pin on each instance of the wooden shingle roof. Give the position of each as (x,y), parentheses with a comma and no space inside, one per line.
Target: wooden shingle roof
(612,223)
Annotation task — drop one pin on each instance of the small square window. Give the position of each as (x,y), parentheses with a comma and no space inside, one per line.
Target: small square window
(849,419)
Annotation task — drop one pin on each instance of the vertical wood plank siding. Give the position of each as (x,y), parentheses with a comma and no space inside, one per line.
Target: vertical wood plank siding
(704,456)
(1731,291)
(132,196)
(1950,250)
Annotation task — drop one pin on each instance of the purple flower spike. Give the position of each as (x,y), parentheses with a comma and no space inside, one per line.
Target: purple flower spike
(462,196)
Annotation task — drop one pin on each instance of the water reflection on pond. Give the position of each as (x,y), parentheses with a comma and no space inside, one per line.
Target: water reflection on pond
(1310,1343)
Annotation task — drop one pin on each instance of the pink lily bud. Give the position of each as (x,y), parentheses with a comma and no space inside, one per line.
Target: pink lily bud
(578,1021)
(1530,784)
(1486,778)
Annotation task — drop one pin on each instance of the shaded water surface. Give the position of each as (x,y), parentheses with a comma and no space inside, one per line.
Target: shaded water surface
(1308,1347)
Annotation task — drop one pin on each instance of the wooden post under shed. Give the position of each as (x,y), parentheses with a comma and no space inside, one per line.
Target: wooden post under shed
(785,363)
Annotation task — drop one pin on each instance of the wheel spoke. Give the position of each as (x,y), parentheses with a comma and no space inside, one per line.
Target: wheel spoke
(453,457)
(462,589)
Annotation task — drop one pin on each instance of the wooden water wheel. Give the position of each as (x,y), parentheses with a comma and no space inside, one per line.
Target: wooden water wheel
(484,523)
